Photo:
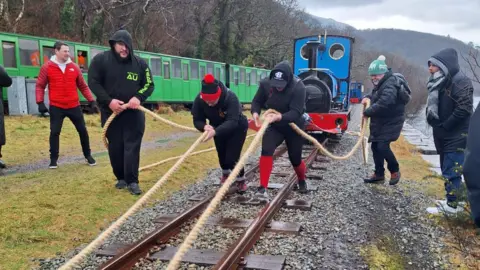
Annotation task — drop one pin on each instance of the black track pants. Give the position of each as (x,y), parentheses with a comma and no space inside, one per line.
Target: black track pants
(124,136)
(57,115)
(229,148)
(274,136)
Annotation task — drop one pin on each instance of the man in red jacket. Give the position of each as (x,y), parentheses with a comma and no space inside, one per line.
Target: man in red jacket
(63,77)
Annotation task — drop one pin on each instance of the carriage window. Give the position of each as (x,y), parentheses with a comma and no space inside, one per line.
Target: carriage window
(235,77)
(82,60)
(9,59)
(217,73)
(210,68)
(166,70)
(248,79)
(194,69)
(94,52)
(177,68)
(242,75)
(48,52)
(185,71)
(202,72)
(29,54)
(253,78)
(156,66)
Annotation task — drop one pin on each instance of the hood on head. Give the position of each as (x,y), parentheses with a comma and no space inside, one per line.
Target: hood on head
(123,36)
(281,75)
(447,61)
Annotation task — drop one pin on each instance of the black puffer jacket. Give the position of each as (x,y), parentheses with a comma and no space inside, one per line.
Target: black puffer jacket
(471,166)
(387,111)
(5,81)
(455,105)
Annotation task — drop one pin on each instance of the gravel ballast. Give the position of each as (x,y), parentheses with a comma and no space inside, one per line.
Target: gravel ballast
(347,217)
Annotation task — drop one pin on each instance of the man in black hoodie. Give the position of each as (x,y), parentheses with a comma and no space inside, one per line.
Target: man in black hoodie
(121,81)
(449,107)
(285,93)
(5,81)
(227,124)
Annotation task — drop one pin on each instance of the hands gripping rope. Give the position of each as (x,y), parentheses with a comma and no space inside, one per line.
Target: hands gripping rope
(174,263)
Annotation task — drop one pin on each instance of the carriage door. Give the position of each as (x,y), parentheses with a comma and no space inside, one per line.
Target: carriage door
(9,60)
(166,87)
(187,93)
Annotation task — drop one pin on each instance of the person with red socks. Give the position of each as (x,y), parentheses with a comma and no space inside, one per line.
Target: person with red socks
(285,93)
(228,126)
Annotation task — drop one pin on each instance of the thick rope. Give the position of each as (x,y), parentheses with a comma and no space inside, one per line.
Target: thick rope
(192,236)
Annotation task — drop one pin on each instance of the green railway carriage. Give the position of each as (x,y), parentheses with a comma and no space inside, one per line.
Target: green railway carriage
(177,79)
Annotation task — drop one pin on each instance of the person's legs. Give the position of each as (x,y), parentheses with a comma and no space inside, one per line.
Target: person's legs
(2,164)
(452,172)
(76,116)
(392,163)
(132,136)
(116,146)
(294,143)
(378,159)
(221,146)
(56,122)
(272,138)
(234,147)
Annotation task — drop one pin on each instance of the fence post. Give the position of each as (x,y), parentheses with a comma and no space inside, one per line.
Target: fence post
(17,97)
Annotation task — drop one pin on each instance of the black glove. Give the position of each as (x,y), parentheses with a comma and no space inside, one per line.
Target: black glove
(42,108)
(93,106)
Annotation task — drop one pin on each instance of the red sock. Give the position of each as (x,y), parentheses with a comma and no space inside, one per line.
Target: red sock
(300,170)
(266,164)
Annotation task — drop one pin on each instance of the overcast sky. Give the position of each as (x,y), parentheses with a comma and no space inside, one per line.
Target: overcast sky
(458,18)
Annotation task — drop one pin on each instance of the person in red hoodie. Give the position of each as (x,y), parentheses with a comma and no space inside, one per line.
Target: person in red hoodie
(63,77)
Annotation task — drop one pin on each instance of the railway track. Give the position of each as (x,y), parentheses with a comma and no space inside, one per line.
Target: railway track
(159,245)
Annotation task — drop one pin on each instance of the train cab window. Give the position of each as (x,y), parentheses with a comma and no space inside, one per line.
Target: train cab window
(235,77)
(337,51)
(194,69)
(29,54)
(166,70)
(217,73)
(202,72)
(177,69)
(156,66)
(210,68)
(253,77)
(82,62)
(242,75)
(185,71)
(304,52)
(9,59)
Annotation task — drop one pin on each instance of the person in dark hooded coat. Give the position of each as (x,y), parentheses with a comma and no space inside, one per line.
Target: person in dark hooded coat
(387,116)
(285,93)
(5,81)
(449,107)
(121,81)
(471,167)
(227,125)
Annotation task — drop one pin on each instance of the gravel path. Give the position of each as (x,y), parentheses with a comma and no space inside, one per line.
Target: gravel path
(347,216)
(63,160)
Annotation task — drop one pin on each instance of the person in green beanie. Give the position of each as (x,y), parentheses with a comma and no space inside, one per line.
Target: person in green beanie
(387,115)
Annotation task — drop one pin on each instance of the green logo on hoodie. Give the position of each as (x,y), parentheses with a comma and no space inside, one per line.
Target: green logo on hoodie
(132,76)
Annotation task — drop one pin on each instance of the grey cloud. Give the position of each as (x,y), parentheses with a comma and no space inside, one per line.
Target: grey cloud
(318,4)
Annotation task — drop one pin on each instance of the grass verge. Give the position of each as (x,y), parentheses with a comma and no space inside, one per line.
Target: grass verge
(50,211)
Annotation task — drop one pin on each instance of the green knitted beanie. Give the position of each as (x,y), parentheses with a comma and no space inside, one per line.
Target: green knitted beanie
(378,66)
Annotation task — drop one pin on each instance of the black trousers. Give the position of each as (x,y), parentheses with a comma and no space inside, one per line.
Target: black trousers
(57,115)
(229,148)
(381,151)
(125,135)
(274,136)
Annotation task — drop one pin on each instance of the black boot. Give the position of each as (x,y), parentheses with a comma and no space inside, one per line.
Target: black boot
(374,179)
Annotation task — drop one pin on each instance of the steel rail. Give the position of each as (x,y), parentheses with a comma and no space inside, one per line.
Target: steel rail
(236,254)
(128,258)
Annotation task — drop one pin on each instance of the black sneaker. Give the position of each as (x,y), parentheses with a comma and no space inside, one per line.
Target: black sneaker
(91,161)
(53,164)
(302,186)
(2,164)
(134,189)
(121,184)
(374,179)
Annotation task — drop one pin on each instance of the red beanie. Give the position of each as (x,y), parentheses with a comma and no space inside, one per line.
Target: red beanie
(210,89)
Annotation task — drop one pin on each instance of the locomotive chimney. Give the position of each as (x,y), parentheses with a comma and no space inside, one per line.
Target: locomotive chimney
(312,49)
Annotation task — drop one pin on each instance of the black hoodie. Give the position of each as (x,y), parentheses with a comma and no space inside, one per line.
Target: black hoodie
(290,102)
(226,116)
(455,104)
(111,77)
(471,166)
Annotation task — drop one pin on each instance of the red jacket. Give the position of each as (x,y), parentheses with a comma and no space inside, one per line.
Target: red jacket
(62,87)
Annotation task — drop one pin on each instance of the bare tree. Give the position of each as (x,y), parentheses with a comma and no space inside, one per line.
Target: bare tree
(6,12)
